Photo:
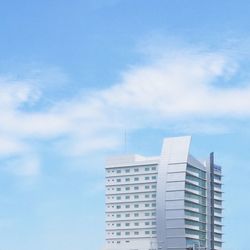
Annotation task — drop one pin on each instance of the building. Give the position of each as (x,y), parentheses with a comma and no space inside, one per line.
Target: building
(171,202)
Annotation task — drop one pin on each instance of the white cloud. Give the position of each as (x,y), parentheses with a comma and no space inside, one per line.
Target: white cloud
(27,165)
(182,86)
(10,146)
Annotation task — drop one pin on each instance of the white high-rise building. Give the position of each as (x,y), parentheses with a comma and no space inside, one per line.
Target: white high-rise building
(171,202)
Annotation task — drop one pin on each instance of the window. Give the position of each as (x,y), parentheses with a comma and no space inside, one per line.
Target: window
(147,223)
(127,233)
(127,179)
(127,197)
(127,206)
(118,197)
(118,233)
(118,207)
(136,206)
(118,224)
(216,185)
(200,208)
(118,180)
(136,169)
(153,186)
(146,214)
(146,187)
(217,210)
(153,168)
(127,170)
(118,189)
(153,205)
(136,188)
(136,214)
(136,233)
(136,224)
(146,178)
(136,197)
(146,195)
(153,177)
(136,179)
(146,205)
(201,190)
(127,188)
(118,171)
(118,216)
(217,177)
(147,232)
(153,195)
(127,215)
(147,169)
(127,224)
(197,171)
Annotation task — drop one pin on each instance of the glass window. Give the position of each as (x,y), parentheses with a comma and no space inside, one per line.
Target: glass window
(200,190)
(199,172)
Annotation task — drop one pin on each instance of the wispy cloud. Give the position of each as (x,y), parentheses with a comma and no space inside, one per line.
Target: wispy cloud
(185,86)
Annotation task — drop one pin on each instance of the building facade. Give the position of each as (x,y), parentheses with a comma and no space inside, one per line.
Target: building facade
(170,202)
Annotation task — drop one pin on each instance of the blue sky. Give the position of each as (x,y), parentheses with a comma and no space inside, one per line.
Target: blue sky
(75,75)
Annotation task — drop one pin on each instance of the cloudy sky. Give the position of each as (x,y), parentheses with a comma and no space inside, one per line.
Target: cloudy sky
(75,75)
